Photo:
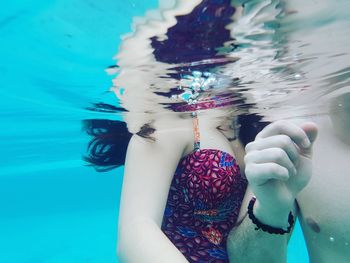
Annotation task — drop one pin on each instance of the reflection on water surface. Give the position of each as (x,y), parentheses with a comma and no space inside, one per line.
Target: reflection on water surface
(281,60)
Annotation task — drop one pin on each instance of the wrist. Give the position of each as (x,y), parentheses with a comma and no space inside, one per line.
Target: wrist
(274,216)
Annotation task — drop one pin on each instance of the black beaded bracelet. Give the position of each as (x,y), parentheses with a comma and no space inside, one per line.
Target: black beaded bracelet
(267,228)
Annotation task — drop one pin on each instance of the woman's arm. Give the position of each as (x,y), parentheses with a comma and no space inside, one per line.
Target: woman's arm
(149,169)
(278,167)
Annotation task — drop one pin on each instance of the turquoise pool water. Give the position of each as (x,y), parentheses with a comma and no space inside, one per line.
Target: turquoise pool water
(53,57)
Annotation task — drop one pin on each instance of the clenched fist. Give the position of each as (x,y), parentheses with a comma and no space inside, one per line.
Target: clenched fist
(278,166)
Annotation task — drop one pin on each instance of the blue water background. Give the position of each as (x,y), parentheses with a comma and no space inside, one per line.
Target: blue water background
(53,55)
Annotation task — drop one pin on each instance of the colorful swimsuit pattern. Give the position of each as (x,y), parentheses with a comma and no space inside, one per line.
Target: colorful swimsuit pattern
(204,200)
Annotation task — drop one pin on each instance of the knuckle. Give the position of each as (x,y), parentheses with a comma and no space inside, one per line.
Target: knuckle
(250,172)
(280,155)
(247,158)
(285,140)
(250,157)
(277,170)
(249,147)
(280,124)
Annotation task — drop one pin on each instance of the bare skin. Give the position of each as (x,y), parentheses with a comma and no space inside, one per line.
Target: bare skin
(322,200)
(149,169)
(278,167)
(324,204)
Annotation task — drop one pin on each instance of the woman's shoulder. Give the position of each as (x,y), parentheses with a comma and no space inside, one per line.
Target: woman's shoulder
(163,146)
(163,138)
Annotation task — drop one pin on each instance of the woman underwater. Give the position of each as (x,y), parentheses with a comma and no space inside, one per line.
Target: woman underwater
(184,186)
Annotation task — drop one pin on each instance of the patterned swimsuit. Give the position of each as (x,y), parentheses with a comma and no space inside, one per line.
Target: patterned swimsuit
(203,204)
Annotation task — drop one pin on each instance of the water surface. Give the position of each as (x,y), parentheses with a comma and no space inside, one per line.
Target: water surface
(284,60)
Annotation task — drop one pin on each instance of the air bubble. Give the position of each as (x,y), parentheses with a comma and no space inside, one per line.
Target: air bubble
(297,76)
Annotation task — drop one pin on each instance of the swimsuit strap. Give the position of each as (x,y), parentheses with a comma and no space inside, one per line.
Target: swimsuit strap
(197,142)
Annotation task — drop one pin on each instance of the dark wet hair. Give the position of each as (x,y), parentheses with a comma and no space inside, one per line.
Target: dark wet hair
(249,126)
(110,138)
(107,149)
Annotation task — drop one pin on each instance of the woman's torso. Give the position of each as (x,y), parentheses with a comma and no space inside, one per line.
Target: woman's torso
(205,197)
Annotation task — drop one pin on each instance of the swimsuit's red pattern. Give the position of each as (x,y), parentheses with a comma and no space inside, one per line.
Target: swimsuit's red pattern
(204,200)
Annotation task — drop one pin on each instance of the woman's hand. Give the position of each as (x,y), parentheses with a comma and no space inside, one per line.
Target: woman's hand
(278,166)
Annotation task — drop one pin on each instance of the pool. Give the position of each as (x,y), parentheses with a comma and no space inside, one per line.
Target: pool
(54,55)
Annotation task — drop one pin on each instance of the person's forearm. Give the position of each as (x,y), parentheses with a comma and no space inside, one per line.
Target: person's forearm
(246,244)
(144,242)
